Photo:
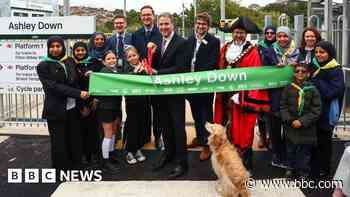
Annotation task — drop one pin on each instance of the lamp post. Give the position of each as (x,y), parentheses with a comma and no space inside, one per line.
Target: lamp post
(195,8)
(124,10)
(66,8)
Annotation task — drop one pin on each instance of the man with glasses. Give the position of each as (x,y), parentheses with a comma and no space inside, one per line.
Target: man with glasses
(141,40)
(120,39)
(204,50)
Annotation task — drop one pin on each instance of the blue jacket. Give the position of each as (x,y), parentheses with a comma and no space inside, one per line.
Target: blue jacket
(112,44)
(113,41)
(330,84)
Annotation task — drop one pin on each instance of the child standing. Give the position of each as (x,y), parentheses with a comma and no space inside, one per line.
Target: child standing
(88,119)
(300,109)
(109,113)
(136,110)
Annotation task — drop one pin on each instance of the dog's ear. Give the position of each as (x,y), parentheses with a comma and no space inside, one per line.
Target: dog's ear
(210,127)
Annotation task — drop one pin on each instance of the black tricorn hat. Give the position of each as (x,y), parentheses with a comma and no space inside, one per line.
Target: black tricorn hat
(242,22)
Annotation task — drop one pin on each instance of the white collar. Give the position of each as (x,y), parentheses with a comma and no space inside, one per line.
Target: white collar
(118,34)
(168,39)
(240,45)
(148,29)
(234,51)
(201,37)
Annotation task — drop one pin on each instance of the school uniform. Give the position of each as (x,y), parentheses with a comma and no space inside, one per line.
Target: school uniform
(61,108)
(89,124)
(109,107)
(136,122)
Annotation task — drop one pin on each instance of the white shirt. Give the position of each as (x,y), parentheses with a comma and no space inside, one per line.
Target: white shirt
(198,44)
(234,51)
(148,29)
(168,39)
(70,101)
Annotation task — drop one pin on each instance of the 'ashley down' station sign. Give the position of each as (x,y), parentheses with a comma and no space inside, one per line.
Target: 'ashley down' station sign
(25,45)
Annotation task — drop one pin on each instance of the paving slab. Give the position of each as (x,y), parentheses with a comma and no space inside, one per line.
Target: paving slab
(160,188)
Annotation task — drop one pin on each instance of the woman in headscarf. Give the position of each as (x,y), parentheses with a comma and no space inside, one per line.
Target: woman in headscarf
(283,52)
(98,45)
(240,108)
(85,65)
(310,37)
(269,39)
(62,100)
(328,77)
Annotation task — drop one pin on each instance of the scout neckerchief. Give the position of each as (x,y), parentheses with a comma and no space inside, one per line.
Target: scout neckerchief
(331,64)
(84,61)
(60,62)
(284,53)
(265,44)
(301,93)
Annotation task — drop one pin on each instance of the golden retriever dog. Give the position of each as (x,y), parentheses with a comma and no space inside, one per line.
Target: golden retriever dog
(227,164)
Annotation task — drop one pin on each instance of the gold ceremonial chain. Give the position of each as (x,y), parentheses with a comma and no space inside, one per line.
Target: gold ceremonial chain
(240,56)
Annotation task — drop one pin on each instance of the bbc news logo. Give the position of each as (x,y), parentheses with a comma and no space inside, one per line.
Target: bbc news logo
(33,175)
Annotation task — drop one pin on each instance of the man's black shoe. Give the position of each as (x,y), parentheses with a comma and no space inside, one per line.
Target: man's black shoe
(178,171)
(109,167)
(163,160)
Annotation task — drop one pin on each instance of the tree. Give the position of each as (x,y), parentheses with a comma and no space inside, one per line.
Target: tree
(254,6)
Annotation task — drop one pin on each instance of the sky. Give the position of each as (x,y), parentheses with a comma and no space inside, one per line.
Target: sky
(158,5)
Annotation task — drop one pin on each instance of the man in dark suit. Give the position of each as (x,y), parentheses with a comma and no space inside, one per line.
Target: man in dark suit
(170,58)
(149,33)
(204,52)
(120,39)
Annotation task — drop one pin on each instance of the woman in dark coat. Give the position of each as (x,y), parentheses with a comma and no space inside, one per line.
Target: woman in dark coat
(283,52)
(328,77)
(62,100)
(269,39)
(85,65)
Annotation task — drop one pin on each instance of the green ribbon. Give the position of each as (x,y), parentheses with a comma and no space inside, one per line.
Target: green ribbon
(226,80)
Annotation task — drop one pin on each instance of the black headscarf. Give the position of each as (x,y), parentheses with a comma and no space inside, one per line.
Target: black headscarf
(80,44)
(329,48)
(58,39)
(270,28)
(97,52)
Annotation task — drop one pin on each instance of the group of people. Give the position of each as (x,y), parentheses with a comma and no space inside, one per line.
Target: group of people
(306,109)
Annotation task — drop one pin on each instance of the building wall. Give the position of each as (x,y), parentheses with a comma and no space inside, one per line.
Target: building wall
(5,8)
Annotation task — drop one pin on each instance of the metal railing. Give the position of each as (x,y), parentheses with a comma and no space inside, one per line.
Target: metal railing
(21,110)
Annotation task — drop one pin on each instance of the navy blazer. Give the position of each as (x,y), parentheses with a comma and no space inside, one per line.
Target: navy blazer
(138,40)
(207,54)
(113,41)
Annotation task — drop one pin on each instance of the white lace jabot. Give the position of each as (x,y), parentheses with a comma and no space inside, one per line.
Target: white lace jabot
(234,51)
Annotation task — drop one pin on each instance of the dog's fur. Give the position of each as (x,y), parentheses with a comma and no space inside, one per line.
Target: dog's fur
(227,164)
